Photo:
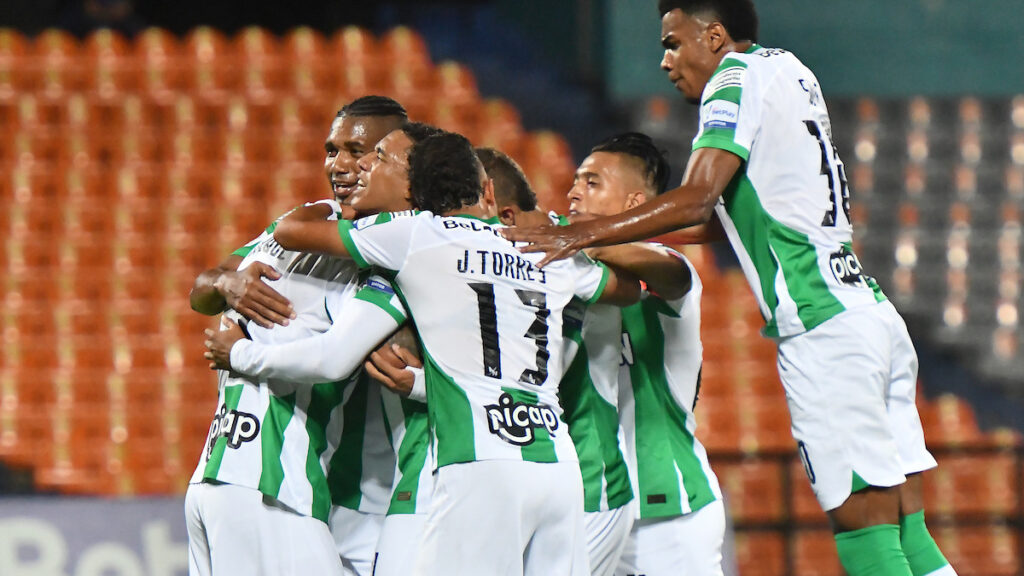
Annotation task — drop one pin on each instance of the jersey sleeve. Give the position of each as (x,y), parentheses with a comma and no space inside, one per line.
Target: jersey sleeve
(244,250)
(360,325)
(591,277)
(730,111)
(378,291)
(383,240)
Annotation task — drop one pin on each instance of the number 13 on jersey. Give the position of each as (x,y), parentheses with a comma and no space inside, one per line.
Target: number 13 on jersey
(538,331)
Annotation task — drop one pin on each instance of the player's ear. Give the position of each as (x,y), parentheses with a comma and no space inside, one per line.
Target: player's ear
(635,199)
(716,36)
(507,215)
(487,200)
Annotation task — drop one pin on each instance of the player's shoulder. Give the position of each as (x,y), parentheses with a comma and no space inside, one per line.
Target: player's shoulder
(384,218)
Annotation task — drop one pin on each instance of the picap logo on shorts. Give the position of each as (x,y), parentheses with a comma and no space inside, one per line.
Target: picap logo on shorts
(514,422)
(237,427)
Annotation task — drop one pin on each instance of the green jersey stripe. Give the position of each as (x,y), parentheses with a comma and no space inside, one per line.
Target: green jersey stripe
(278,415)
(730,94)
(799,261)
(324,398)
(744,208)
(593,426)
(451,416)
(723,139)
(600,287)
(661,458)
(346,467)
(345,231)
(232,394)
(412,457)
(383,301)
(542,449)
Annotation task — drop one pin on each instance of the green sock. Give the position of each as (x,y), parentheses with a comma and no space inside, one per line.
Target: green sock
(919,547)
(873,551)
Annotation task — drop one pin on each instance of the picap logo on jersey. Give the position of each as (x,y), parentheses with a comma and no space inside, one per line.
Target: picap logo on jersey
(514,422)
(237,427)
(847,270)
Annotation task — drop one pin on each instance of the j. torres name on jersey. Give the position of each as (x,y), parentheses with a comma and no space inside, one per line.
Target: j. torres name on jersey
(499,264)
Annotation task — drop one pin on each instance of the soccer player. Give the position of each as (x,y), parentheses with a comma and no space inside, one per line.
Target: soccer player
(261,495)
(764,161)
(507,495)
(680,517)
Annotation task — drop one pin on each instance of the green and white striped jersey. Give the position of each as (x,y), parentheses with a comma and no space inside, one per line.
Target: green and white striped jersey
(589,393)
(658,381)
(786,212)
(408,425)
(304,443)
(490,324)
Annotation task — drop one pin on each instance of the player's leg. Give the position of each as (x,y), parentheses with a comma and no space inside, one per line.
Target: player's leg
(399,544)
(607,532)
(836,378)
(232,517)
(295,545)
(689,544)
(199,562)
(553,527)
(920,549)
(475,520)
(355,536)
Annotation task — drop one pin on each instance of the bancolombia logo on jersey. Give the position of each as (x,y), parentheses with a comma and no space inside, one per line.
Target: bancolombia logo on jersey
(236,426)
(514,422)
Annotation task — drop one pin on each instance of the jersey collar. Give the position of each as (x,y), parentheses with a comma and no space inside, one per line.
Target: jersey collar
(491,220)
(753,48)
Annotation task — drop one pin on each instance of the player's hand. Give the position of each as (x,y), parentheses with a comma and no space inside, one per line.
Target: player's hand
(558,242)
(390,365)
(219,343)
(247,293)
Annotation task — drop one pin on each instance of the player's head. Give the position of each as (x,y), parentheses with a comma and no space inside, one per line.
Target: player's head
(620,173)
(359,125)
(383,181)
(512,192)
(445,176)
(697,34)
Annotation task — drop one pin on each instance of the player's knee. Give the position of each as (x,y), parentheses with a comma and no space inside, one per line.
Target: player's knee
(871,506)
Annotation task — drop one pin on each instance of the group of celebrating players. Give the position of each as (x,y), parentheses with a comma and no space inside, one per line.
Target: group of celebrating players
(428,374)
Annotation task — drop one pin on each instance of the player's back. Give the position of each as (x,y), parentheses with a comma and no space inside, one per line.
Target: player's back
(490,323)
(787,212)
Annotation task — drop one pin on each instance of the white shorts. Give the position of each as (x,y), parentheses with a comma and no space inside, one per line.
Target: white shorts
(355,536)
(607,532)
(851,384)
(690,544)
(232,531)
(505,517)
(399,544)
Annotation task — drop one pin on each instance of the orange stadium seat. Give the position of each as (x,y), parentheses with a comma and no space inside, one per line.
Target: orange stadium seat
(404,48)
(760,553)
(990,550)
(13,50)
(156,51)
(308,70)
(258,52)
(110,64)
(54,68)
(210,64)
(815,554)
(753,489)
(805,507)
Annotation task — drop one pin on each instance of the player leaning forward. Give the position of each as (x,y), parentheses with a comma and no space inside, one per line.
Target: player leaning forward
(508,496)
(275,465)
(764,161)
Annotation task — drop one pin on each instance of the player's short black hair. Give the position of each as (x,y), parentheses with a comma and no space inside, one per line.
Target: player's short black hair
(373,106)
(739,17)
(640,146)
(510,184)
(419,131)
(444,173)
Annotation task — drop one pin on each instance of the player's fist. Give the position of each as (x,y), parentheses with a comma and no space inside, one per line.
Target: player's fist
(219,343)
(396,368)
(246,292)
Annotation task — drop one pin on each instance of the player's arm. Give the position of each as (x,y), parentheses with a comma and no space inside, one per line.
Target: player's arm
(306,229)
(664,273)
(621,288)
(245,291)
(710,231)
(708,173)
(327,357)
